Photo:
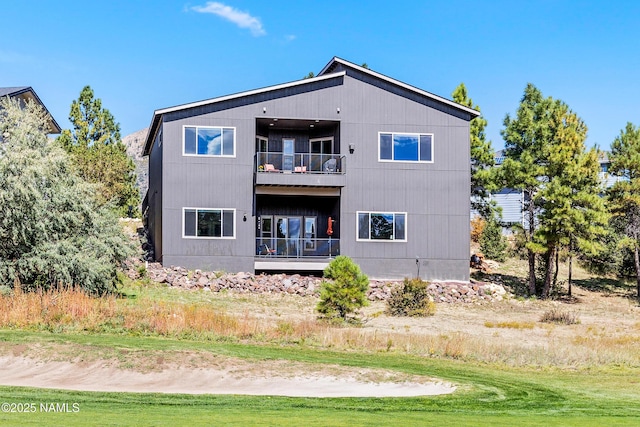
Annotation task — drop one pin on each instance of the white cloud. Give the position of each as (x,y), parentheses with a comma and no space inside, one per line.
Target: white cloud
(290,37)
(241,19)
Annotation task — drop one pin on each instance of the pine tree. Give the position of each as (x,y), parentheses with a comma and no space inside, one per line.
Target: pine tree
(344,292)
(482,158)
(525,137)
(625,194)
(52,230)
(546,157)
(98,152)
(573,214)
(493,243)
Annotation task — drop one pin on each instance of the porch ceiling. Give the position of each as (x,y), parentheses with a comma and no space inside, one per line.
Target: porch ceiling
(291,190)
(284,123)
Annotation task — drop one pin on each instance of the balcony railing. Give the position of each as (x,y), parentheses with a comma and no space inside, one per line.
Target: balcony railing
(297,248)
(300,163)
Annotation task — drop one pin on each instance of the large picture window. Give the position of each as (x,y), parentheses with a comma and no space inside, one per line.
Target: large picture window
(209,141)
(405,147)
(382,226)
(209,223)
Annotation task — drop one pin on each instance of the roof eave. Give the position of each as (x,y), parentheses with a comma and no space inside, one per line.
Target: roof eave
(158,113)
(54,126)
(153,129)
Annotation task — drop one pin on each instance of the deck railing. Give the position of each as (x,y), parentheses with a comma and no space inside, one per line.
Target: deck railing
(300,163)
(297,248)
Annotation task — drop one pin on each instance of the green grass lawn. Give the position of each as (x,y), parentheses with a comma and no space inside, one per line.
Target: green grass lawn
(486,395)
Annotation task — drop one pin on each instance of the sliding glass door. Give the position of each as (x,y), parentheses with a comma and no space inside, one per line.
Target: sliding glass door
(288,233)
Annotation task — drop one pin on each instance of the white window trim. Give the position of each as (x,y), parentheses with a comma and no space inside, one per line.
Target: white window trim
(209,237)
(407,161)
(208,155)
(357,227)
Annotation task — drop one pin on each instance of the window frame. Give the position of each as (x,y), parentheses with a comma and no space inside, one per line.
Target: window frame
(196,127)
(221,210)
(392,160)
(357,227)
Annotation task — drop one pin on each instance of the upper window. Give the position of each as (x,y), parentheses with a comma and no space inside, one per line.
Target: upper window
(406,147)
(214,223)
(382,226)
(209,141)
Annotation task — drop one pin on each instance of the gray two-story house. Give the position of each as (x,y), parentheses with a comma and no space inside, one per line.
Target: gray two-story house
(350,162)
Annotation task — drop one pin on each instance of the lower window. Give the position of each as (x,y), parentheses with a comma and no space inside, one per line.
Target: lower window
(382,226)
(218,223)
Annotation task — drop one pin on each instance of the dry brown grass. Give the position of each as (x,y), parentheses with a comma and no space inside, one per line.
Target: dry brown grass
(556,315)
(508,333)
(513,324)
(54,308)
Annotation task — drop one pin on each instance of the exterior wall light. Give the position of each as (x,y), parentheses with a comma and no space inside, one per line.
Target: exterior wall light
(352,148)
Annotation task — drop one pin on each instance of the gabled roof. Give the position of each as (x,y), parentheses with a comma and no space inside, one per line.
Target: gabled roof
(29,93)
(339,61)
(326,73)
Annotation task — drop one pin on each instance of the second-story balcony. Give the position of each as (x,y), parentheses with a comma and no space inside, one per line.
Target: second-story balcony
(300,169)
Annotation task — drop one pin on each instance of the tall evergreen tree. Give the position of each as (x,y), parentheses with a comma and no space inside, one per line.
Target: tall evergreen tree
(52,230)
(546,157)
(525,137)
(573,214)
(98,152)
(482,157)
(625,193)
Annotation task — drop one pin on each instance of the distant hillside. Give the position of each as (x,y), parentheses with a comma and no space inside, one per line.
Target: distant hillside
(135,144)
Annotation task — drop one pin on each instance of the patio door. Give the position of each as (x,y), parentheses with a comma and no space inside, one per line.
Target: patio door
(288,146)
(288,235)
(262,148)
(265,232)
(321,150)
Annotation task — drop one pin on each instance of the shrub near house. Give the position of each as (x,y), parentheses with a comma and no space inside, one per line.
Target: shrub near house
(52,230)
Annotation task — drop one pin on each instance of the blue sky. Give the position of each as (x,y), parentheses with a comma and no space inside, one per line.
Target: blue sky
(140,56)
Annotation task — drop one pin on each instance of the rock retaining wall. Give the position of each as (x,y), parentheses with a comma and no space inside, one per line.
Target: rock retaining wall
(442,292)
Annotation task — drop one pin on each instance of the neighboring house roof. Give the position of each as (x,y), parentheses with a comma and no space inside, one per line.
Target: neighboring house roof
(498,157)
(27,92)
(328,72)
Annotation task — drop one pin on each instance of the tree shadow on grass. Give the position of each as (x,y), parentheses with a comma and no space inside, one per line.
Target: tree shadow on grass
(608,287)
(602,285)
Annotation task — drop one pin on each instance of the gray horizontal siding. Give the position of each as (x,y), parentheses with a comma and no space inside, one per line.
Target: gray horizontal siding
(510,201)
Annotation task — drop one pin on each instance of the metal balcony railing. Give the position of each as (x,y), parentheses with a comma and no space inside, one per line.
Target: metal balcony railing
(297,248)
(300,163)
